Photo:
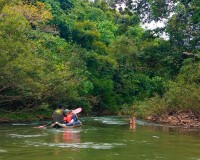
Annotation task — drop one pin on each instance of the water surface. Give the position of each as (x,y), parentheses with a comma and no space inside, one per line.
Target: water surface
(99,138)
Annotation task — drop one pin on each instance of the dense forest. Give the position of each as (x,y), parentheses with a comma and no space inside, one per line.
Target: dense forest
(97,55)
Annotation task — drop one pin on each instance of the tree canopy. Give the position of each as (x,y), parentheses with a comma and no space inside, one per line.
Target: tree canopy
(90,54)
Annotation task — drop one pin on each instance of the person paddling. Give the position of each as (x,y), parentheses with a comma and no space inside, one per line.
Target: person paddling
(68,116)
(58,115)
(66,120)
(71,120)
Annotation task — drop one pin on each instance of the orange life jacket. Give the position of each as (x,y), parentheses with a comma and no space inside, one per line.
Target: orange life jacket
(68,118)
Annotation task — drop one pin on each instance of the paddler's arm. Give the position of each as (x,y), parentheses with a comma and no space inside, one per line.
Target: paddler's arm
(60,124)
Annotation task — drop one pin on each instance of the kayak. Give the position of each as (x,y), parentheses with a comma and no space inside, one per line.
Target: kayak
(60,125)
(68,125)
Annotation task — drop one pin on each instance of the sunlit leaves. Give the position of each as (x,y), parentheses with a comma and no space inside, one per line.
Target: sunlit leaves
(21,71)
(12,22)
(35,14)
(31,68)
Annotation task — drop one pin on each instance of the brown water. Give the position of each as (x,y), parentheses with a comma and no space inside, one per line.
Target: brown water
(99,138)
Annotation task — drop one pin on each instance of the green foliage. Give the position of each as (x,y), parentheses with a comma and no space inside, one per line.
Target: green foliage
(7,2)
(184,24)
(160,58)
(125,56)
(108,31)
(136,32)
(85,33)
(66,4)
(17,62)
(190,72)
(87,87)
(83,53)
(100,48)
(183,94)
(95,14)
(32,70)
(101,65)
(125,21)
(130,83)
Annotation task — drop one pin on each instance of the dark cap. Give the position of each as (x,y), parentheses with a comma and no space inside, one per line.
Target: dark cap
(60,106)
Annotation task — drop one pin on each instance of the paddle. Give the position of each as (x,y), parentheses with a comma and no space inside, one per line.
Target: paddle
(78,110)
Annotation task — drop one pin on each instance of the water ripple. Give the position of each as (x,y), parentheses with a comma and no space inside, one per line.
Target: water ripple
(110,120)
(3,151)
(26,136)
(85,145)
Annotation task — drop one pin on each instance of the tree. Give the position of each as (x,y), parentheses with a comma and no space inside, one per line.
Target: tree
(35,14)
(85,33)
(108,31)
(183,26)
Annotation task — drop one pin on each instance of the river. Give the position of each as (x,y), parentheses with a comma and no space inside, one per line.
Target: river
(99,138)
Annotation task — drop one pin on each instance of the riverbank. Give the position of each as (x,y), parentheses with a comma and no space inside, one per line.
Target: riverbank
(24,115)
(187,119)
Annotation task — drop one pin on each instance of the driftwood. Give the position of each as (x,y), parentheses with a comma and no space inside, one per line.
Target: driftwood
(181,118)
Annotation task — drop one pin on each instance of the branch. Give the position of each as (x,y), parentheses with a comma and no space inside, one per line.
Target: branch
(21,111)
(4,87)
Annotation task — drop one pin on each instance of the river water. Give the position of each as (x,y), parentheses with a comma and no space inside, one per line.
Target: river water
(99,138)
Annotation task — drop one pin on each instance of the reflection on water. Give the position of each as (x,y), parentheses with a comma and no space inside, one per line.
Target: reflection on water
(71,138)
(99,138)
(67,136)
(168,128)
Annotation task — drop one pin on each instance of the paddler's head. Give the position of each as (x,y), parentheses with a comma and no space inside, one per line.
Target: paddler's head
(60,106)
(67,111)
